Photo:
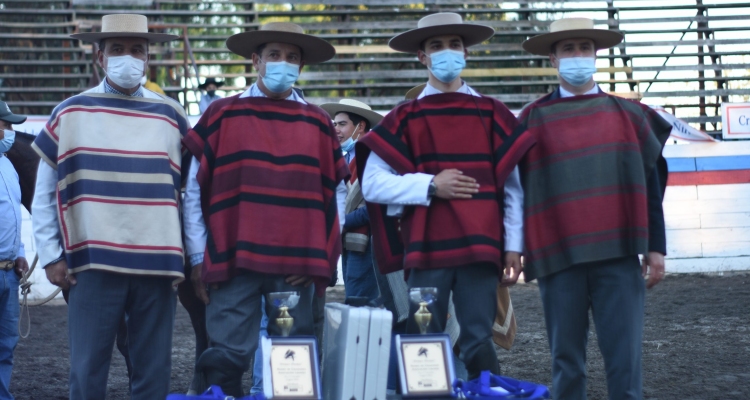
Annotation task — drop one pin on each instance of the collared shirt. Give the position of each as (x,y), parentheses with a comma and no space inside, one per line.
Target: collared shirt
(195,226)
(564,93)
(109,89)
(45,220)
(429,90)
(383,185)
(11,246)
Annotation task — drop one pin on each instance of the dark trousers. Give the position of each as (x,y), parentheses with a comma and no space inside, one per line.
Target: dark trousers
(233,324)
(360,276)
(96,306)
(614,290)
(474,298)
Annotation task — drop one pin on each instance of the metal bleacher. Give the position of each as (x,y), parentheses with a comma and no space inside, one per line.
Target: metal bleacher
(686,55)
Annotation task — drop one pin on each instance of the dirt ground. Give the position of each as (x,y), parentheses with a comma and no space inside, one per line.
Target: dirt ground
(696,344)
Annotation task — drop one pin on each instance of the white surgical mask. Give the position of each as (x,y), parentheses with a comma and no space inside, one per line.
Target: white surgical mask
(125,71)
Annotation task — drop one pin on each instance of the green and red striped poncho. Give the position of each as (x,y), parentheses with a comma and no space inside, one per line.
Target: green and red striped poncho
(268,175)
(477,135)
(585,191)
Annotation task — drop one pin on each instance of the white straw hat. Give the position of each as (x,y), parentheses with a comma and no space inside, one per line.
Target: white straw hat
(437,25)
(571,28)
(314,50)
(354,107)
(124,25)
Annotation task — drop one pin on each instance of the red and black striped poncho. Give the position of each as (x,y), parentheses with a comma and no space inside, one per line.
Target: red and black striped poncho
(268,175)
(476,135)
(585,181)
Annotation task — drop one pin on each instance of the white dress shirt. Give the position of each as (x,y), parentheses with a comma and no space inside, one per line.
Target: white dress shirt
(564,93)
(195,226)
(44,217)
(382,184)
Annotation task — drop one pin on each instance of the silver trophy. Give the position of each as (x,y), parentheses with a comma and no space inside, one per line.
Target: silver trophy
(423,297)
(284,301)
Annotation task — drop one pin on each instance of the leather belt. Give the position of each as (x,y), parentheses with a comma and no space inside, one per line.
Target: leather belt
(6,265)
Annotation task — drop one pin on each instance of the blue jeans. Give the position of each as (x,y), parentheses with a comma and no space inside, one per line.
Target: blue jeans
(615,293)
(8,328)
(359,274)
(258,363)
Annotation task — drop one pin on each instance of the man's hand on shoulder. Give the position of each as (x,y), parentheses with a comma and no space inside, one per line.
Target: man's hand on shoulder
(57,274)
(653,267)
(453,184)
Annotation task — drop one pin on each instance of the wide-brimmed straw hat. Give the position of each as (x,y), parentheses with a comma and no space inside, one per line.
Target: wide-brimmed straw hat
(571,28)
(209,81)
(414,92)
(354,107)
(124,25)
(314,50)
(437,25)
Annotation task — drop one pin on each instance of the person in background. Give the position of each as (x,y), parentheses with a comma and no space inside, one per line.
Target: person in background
(210,85)
(13,262)
(152,86)
(353,119)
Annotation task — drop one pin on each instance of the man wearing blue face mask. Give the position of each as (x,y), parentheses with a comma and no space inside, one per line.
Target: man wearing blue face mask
(593,189)
(12,255)
(106,213)
(352,120)
(442,189)
(261,205)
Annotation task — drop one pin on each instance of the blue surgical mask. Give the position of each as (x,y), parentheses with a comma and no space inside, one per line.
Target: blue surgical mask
(577,71)
(8,139)
(280,76)
(348,144)
(447,65)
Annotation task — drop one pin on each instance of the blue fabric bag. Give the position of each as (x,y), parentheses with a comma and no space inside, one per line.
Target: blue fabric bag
(214,393)
(499,387)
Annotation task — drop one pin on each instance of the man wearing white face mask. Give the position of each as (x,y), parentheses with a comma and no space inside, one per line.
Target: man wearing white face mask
(445,163)
(593,189)
(261,210)
(106,213)
(12,255)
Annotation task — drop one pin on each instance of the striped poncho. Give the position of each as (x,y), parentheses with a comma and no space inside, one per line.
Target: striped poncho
(585,182)
(268,176)
(476,135)
(118,162)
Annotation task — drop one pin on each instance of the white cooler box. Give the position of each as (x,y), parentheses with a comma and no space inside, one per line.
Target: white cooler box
(356,348)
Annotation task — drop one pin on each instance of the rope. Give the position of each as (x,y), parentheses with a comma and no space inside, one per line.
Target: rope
(25,303)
